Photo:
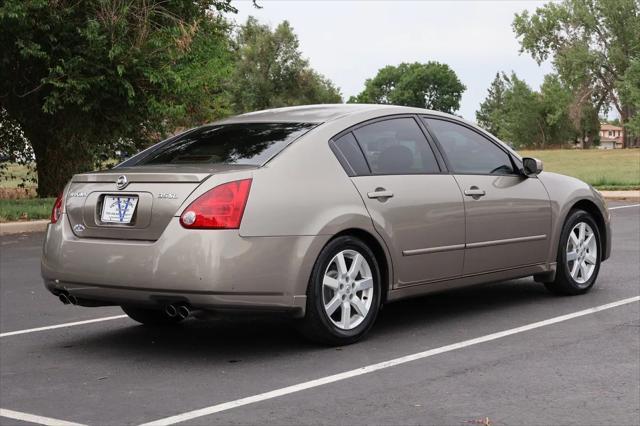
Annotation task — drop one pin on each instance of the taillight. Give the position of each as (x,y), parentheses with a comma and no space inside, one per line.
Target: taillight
(56,211)
(219,208)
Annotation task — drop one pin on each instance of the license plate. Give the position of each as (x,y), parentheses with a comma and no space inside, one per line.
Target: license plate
(118,209)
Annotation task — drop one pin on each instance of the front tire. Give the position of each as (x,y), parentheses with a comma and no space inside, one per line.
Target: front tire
(579,256)
(343,297)
(150,317)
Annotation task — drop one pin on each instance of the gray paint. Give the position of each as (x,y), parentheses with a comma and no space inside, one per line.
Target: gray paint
(298,201)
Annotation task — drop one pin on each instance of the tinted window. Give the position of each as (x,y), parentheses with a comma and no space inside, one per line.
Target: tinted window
(396,146)
(248,143)
(468,151)
(351,154)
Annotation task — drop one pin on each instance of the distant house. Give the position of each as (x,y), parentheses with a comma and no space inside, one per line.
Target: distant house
(610,136)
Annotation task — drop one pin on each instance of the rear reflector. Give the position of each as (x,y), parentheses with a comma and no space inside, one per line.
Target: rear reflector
(56,211)
(219,208)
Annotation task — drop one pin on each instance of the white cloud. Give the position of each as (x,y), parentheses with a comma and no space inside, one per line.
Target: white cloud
(348,41)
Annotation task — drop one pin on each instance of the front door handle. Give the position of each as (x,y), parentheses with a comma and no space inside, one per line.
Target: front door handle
(380,193)
(474,192)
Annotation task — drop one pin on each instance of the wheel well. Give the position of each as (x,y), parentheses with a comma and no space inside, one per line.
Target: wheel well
(378,251)
(594,211)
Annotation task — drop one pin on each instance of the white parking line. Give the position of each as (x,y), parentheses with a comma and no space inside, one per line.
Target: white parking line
(624,207)
(26,417)
(68,324)
(379,366)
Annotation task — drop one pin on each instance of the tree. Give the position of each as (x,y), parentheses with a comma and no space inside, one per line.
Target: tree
(557,103)
(490,116)
(271,72)
(82,77)
(529,119)
(592,44)
(432,85)
(630,94)
(524,124)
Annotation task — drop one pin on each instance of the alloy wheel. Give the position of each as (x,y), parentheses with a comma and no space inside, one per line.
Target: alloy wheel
(347,289)
(581,252)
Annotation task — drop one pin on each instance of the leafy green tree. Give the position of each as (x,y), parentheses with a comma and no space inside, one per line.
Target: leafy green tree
(524,124)
(490,116)
(271,72)
(555,100)
(592,44)
(630,94)
(529,119)
(432,85)
(82,77)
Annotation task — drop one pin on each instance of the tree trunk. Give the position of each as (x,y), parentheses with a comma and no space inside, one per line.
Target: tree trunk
(623,120)
(57,162)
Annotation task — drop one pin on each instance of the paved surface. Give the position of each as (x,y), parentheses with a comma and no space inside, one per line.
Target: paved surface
(583,371)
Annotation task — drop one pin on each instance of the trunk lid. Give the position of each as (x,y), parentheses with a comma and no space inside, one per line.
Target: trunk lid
(134,203)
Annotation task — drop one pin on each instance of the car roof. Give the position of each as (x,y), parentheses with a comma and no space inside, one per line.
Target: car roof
(318,113)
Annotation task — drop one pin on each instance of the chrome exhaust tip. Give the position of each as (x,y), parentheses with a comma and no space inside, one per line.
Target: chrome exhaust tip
(64,298)
(170,310)
(72,299)
(184,311)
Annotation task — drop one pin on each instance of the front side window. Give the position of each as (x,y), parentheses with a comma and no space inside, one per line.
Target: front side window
(238,143)
(468,151)
(396,146)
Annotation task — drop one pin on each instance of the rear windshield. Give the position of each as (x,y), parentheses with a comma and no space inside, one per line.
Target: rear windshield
(240,143)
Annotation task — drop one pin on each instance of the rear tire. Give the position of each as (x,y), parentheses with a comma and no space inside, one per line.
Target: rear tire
(151,317)
(579,255)
(344,293)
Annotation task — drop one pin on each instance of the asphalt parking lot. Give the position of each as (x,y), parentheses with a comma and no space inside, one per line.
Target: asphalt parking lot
(580,367)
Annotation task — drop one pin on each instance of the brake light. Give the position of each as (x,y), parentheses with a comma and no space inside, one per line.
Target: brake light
(56,211)
(219,208)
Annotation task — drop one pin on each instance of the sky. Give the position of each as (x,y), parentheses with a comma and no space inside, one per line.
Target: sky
(349,41)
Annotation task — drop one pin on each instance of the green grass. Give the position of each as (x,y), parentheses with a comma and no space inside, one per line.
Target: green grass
(614,169)
(16,174)
(25,209)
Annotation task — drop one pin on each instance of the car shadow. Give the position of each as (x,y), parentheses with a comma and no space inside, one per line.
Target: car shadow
(246,338)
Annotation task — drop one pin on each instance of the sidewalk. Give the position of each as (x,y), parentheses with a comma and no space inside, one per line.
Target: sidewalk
(621,195)
(7,228)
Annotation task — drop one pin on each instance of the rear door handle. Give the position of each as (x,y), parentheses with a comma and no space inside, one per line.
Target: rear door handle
(380,193)
(474,192)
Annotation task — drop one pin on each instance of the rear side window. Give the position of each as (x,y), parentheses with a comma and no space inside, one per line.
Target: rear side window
(239,143)
(468,151)
(350,155)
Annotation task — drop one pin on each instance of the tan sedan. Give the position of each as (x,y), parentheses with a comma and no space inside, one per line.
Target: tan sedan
(321,212)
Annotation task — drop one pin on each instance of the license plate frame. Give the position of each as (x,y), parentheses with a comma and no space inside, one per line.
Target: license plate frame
(118,209)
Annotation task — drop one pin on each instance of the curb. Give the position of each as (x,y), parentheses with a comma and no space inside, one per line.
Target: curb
(8,228)
(621,195)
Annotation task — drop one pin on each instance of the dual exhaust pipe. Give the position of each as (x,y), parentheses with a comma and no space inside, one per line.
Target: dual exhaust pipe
(172,310)
(180,310)
(68,299)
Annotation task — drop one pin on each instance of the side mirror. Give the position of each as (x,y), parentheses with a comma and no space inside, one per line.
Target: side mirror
(532,166)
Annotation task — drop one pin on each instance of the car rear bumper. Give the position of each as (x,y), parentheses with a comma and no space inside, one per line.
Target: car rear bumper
(209,269)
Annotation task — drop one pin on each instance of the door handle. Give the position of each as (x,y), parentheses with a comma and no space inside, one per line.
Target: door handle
(380,193)
(474,192)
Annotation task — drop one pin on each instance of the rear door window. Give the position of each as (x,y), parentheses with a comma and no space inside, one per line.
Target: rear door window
(238,143)
(396,146)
